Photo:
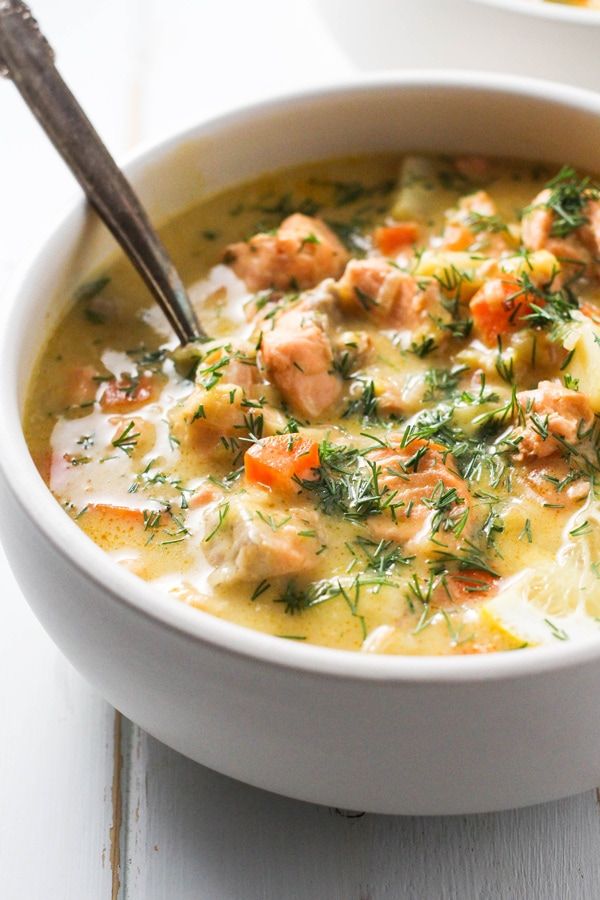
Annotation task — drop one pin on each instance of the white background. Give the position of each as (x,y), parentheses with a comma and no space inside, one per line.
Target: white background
(90,806)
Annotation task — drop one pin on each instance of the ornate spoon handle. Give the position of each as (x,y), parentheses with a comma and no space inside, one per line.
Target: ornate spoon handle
(27,58)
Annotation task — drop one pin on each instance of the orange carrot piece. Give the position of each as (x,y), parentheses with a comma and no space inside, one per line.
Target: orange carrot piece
(275,461)
(129,393)
(457,236)
(126,514)
(499,308)
(591,311)
(390,239)
(472,584)
(81,385)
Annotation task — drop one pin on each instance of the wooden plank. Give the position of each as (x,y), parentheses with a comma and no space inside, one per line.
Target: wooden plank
(55,767)
(191,834)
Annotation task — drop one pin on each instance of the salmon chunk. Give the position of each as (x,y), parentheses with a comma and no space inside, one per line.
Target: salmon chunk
(249,542)
(298,358)
(426,480)
(386,293)
(479,203)
(227,401)
(475,224)
(554,414)
(576,251)
(500,307)
(302,252)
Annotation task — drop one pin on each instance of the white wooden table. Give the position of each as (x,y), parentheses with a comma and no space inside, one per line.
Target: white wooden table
(91,807)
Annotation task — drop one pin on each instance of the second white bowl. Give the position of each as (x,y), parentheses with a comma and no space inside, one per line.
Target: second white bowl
(524,37)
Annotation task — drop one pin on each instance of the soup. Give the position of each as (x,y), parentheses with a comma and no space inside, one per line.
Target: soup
(390,443)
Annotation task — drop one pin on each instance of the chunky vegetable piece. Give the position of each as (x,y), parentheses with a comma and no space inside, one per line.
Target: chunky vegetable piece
(555,417)
(279,462)
(500,306)
(391,239)
(391,443)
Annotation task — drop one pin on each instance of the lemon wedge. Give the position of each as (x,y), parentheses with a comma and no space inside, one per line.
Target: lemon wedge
(529,615)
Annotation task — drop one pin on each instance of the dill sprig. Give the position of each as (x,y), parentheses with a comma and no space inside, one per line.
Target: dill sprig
(127,440)
(364,402)
(479,223)
(446,503)
(569,196)
(442,383)
(474,455)
(467,557)
(347,484)
(298,598)
(553,311)
(382,556)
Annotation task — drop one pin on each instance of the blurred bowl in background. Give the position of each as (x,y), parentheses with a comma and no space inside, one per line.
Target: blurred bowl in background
(559,12)
(524,37)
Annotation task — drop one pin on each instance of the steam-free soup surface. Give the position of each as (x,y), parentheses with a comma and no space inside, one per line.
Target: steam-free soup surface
(390,444)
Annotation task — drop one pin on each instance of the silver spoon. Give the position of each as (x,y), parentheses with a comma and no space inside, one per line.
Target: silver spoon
(27,58)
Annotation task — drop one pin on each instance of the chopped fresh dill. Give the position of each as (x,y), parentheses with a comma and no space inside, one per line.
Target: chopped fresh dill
(584,528)
(557,632)
(91,289)
(260,589)
(222,511)
(347,484)
(127,440)
(526,533)
(442,383)
(568,199)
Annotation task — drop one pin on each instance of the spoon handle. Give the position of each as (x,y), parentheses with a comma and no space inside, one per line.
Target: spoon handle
(27,58)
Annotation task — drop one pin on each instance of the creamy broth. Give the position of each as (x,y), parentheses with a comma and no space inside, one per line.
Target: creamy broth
(390,445)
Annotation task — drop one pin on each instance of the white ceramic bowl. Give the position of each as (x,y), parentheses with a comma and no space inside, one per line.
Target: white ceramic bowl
(523,37)
(557,12)
(386,734)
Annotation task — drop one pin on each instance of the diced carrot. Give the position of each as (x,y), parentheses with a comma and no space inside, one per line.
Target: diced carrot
(112,515)
(126,514)
(466,586)
(472,584)
(129,393)
(457,236)
(275,461)
(81,385)
(390,239)
(205,494)
(591,311)
(500,307)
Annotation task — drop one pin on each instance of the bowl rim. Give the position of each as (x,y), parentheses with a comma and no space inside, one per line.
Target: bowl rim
(147,601)
(556,12)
